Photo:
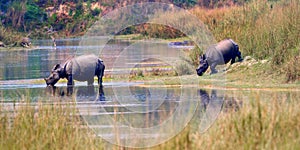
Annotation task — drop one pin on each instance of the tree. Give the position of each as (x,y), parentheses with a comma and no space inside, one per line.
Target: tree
(15,14)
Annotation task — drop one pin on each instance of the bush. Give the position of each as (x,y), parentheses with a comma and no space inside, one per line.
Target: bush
(96,12)
(34,16)
(184,68)
(8,36)
(194,55)
(292,69)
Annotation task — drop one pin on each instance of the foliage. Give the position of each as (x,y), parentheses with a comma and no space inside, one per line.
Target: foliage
(194,55)
(9,37)
(78,11)
(34,16)
(15,14)
(96,12)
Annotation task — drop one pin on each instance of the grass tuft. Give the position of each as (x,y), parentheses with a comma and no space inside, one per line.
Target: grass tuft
(54,126)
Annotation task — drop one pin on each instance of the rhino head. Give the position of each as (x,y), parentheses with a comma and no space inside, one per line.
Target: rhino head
(203,65)
(54,76)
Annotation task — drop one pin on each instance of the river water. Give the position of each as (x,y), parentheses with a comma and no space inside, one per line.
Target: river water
(123,112)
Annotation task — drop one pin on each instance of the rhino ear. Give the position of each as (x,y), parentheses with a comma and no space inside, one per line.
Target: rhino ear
(56,67)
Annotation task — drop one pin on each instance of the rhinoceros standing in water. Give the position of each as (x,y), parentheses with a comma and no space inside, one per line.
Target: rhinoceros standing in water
(219,54)
(82,68)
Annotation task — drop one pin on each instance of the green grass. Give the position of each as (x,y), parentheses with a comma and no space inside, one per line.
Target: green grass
(45,127)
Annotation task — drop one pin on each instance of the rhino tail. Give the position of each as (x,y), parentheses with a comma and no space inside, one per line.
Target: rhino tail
(237,50)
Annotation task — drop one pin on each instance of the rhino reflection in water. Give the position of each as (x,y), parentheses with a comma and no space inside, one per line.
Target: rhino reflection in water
(82,68)
(54,91)
(82,93)
(219,54)
(228,103)
(88,93)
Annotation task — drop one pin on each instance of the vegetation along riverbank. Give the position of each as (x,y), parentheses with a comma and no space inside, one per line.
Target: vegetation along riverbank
(268,34)
(263,29)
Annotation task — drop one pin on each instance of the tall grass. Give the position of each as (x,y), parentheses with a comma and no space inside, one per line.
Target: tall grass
(272,124)
(260,124)
(44,127)
(265,30)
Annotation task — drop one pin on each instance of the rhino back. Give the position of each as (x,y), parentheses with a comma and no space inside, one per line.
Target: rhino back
(83,67)
(221,53)
(227,49)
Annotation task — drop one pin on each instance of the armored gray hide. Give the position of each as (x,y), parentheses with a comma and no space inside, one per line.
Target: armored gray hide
(219,54)
(84,68)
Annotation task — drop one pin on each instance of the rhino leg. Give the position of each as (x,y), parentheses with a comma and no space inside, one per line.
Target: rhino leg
(70,84)
(213,68)
(100,72)
(91,82)
(101,96)
(100,76)
(233,60)
(239,55)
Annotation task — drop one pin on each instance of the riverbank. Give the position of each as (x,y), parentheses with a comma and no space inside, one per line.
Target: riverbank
(19,48)
(239,77)
(249,74)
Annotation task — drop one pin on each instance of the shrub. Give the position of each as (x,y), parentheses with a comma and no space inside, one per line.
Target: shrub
(184,68)
(96,12)
(292,69)
(194,55)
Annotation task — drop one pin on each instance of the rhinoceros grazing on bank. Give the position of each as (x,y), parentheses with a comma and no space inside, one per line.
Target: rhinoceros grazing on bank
(82,68)
(218,54)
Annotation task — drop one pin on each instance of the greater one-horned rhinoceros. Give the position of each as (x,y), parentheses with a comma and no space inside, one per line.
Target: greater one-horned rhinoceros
(82,68)
(219,54)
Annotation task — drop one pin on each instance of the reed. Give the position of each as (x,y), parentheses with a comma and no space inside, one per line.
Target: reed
(259,124)
(55,126)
